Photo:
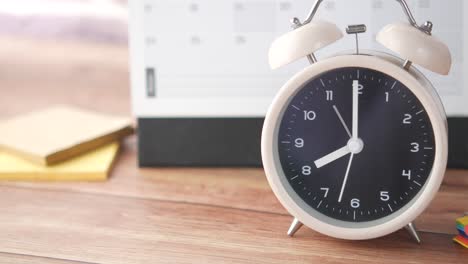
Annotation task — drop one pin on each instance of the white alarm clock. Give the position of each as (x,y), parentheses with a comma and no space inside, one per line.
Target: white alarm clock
(355,145)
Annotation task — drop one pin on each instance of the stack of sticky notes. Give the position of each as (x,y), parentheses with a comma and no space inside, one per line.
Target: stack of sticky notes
(462,227)
(60,144)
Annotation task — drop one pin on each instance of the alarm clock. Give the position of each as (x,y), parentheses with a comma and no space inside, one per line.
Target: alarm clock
(355,145)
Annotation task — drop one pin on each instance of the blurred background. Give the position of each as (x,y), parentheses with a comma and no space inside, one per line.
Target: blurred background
(75,48)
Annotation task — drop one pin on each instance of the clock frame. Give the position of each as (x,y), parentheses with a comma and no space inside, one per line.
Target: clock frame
(302,212)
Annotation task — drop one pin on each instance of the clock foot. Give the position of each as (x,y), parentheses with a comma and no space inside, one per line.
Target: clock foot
(413,232)
(295,225)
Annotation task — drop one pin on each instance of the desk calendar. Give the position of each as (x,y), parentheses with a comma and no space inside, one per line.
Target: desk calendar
(207,59)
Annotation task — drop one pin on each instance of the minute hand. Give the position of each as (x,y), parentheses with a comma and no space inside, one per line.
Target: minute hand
(356,87)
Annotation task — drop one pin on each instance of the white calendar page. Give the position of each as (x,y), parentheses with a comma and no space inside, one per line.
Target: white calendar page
(209,58)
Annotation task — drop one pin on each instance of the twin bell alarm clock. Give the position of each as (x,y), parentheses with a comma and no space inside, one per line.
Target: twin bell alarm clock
(355,145)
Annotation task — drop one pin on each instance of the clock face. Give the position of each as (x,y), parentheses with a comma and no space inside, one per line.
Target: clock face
(355,144)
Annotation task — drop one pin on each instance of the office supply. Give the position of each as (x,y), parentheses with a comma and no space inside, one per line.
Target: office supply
(461,240)
(462,227)
(209,66)
(59,133)
(92,166)
(462,223)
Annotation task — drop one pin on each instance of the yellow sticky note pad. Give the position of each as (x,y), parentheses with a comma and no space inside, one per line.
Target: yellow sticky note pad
(92,166)
(60,133)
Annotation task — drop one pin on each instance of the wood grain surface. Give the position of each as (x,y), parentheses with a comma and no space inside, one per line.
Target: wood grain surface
(168,215)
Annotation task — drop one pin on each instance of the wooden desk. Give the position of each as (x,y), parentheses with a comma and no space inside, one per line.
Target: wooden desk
(168,215)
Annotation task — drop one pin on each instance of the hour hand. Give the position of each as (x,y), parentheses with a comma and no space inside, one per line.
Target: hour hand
(332,156)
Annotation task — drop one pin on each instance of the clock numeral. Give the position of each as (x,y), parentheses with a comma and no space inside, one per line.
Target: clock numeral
(299,143)
(306,170)
(384,196)
(355,203)
(309,115)
(360,89)
(415,147)
(407,119)
(387,97)
(326,192)
(329,95)
(407,174)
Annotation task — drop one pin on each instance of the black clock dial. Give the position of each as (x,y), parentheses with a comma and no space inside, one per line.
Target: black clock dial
(362,172)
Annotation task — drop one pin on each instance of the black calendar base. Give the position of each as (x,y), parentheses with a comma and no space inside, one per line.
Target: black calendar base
(234,142)
(213,142)
(458,143)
